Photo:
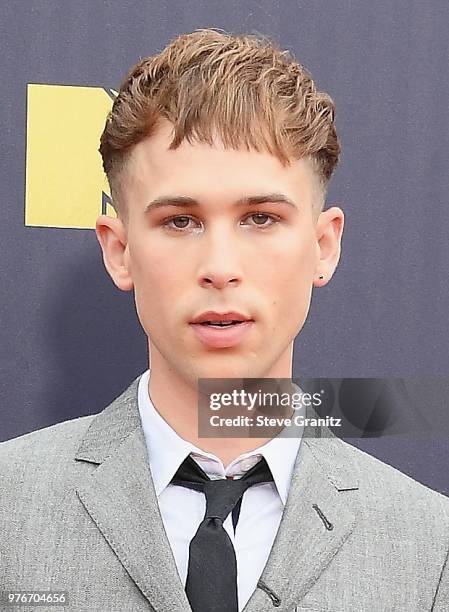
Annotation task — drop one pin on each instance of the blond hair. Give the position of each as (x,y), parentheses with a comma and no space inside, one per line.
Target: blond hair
(242,87)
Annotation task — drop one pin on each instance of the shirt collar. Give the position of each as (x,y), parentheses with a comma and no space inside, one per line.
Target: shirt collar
(167,450)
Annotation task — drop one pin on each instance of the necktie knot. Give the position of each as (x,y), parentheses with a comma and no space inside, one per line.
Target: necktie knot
(221,494)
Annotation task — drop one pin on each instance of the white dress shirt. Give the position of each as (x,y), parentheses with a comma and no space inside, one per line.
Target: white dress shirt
(182,509)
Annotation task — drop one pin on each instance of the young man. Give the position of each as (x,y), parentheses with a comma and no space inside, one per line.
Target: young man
(218,152)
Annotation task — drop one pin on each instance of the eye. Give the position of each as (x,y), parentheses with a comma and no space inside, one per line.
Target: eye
(184,222)
(262,217)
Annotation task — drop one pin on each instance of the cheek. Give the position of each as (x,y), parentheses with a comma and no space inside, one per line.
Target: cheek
(155,284)
(289,285)
(290,267)
(154,268)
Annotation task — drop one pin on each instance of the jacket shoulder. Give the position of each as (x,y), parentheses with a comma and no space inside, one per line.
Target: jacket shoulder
(50,446)
(380,481)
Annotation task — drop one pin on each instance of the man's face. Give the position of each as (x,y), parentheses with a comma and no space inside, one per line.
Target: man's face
(218,255)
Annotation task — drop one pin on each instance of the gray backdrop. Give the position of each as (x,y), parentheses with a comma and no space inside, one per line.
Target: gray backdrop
(71,341)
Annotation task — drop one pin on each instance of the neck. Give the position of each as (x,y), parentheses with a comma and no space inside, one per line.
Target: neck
(175,397)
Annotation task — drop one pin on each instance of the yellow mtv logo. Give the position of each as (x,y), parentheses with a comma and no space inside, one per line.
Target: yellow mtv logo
(65,183)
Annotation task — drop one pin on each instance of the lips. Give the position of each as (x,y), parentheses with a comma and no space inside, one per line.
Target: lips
(213,317)
(217,336)
(221,330)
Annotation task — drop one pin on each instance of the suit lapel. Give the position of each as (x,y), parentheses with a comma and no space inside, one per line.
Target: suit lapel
(319,515)
(119,496)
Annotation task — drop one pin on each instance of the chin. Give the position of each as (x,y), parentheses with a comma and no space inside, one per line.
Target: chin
(228,368)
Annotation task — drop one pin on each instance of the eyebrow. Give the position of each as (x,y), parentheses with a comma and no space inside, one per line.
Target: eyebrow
(180,201)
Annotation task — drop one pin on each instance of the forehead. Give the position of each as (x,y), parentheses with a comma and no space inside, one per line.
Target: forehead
(199,167)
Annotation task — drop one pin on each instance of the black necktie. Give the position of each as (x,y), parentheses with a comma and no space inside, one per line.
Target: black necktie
(211,584)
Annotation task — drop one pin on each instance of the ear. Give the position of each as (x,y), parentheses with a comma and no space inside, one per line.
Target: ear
(112,236)
(329,230)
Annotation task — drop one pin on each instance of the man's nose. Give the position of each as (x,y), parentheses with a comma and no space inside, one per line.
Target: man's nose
(220,260)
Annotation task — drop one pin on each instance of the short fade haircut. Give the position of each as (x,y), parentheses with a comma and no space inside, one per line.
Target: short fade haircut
(242,87)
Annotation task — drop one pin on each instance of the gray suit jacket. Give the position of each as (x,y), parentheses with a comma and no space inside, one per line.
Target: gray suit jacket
(78,512)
